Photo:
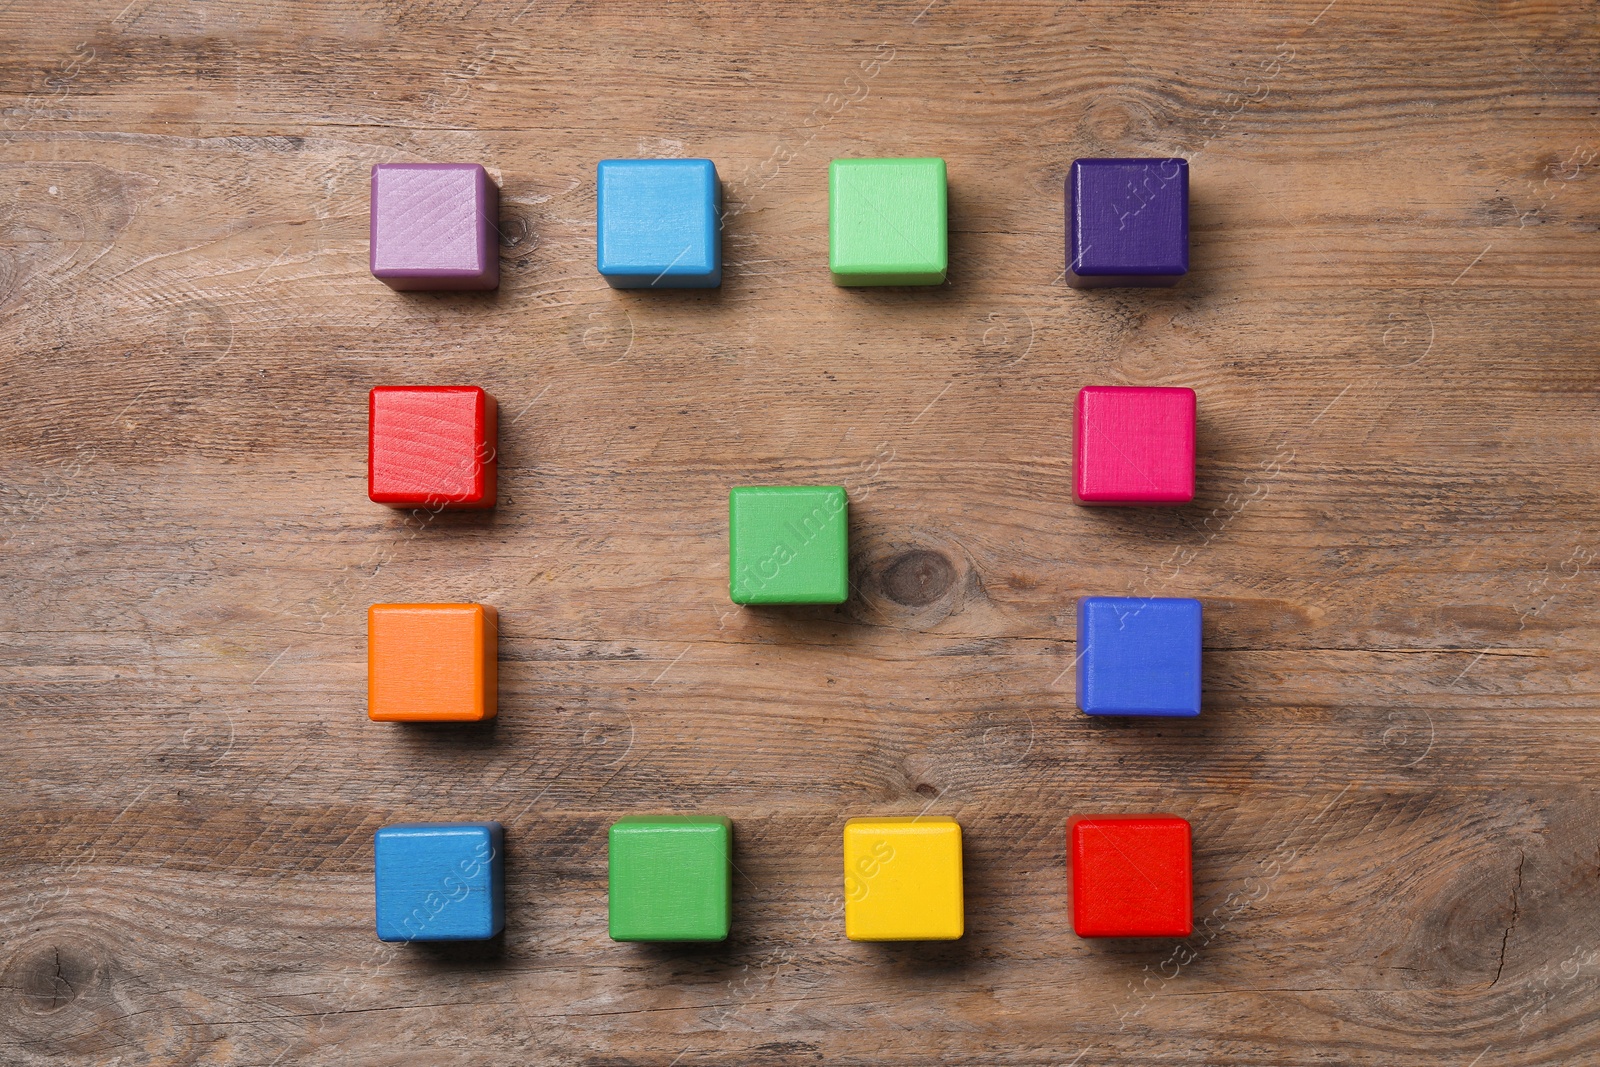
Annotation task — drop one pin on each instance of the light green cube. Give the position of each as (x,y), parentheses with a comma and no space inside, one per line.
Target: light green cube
(887,222)
(671,878)
(788,544)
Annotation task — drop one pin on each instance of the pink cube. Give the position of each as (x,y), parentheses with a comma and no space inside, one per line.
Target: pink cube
(435,226)
(1133,446)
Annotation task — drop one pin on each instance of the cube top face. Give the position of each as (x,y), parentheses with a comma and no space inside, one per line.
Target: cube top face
(439,881)
(1133,446)
(1130,876)
(1139,656)
(435,226)
(671,878)
(788,544)
(887,221)
(431,662)
(1127,222)
(902,880)
(432,446)
(658,223)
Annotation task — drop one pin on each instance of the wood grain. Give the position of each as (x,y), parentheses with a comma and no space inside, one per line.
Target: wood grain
(1390,323)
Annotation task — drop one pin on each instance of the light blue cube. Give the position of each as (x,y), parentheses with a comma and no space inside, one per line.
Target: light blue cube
(439,881)
(1139,656)
(659,223)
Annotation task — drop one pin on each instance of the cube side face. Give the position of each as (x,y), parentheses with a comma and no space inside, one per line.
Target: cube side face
(432,662)
(903,880)
(670,878)
(1127,222)
(487,682)
(1139,656)
(489,452)
(434,227)
(788,545)
(439,881)
(888,222)
(432,447)
(1130,876)
(1133,446)
(658,223)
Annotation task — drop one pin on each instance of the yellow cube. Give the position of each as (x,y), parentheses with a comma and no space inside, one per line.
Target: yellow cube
(902,880)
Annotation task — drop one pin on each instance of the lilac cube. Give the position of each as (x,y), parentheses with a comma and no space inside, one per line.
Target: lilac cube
(434,226)
(1127,222)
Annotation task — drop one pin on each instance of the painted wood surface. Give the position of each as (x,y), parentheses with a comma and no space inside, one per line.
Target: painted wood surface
(1133,445)
(888,221)
(432,662)
(788,544)
(439,881)
(1140,656)
(902,879)
(1390,312)
(432,446)
(434,226)
(670,878)
(1130,875)
(1127,222)
(658,223)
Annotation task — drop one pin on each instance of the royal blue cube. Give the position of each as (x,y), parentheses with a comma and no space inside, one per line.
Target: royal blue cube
(439,881)
(1127,222)
(659,223)
(1139,656)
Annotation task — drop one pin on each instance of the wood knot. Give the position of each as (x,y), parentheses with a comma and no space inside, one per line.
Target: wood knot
(51,975)
(918,577)
(516,233)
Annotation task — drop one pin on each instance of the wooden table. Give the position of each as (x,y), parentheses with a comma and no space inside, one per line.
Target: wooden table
(1390,323)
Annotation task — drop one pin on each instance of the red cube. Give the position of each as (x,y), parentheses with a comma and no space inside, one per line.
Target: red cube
(1133,446)
(1130,876)
(432,446)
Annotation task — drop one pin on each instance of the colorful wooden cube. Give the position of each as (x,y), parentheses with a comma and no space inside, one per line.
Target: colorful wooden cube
(431,662)
(887,221)
(671,878)
(1139,656)
(439,881)
(659,223)
(432,446)
(1130,876)
(1133,446)
(435,226)
(788,544)
(1127,222)
(902,880)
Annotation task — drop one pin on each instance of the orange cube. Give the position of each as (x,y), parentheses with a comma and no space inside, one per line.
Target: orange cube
(431,662)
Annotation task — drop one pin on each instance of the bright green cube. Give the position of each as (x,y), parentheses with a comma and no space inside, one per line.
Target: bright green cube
(788,544)
(887,222)
(671,878)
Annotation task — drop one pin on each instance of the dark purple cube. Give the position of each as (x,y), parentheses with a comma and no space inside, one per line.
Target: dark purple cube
(1127,222)
(434,226)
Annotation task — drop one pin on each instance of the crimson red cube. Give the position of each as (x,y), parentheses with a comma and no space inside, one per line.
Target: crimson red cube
(1130,876)
(432,446)
(1133,445)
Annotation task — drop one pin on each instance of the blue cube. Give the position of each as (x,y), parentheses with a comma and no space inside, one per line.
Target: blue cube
(659,223)
(439,881)
(1139,656)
